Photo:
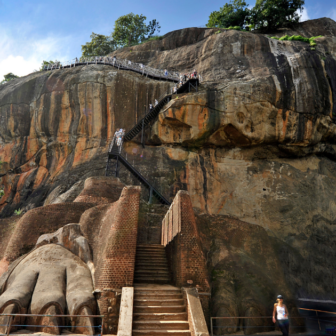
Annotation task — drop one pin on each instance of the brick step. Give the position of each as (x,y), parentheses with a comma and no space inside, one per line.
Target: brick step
(151,254)
(150,277)
(159,325)
(150,272)
(155,259)
(145,291)
(149,262)
(183,316)
(149,245)
(161,332)
(152,281)
(150,249)
(159,309)
(153,267)
(150,296)
(154,302)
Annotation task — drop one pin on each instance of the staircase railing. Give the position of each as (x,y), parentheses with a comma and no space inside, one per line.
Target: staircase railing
(152,115)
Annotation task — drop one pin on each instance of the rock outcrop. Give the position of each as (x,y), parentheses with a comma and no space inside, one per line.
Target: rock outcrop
(255,148)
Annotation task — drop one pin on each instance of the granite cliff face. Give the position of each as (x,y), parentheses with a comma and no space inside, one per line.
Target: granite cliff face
(255,148)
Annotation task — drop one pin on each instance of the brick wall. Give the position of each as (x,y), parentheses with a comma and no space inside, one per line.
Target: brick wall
(117,239)
(183,245)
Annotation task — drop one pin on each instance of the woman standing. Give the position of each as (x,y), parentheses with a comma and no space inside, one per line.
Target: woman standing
(282,315)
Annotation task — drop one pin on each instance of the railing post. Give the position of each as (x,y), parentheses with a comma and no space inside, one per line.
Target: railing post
(150,195)
(117,166)
(142,134)
(9,325)
(211,325)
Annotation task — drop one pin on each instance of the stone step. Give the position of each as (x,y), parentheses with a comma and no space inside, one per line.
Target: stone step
(161,332)
(182,316)
(161,303)
(150,296)
(159,309)
(159,325)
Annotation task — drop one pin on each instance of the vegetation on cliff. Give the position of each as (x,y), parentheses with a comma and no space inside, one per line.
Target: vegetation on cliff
(8,78)
(130,29)
(265,15)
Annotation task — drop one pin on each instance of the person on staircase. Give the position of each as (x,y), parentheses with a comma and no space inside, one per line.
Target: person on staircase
(166,73)
(282,315)
(195,73)
(156,103)
(120,136)
(150,107)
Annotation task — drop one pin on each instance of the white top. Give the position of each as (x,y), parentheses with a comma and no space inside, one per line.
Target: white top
(281,313)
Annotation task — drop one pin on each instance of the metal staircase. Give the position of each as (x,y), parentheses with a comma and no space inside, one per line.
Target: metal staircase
(153,114)
(115,159)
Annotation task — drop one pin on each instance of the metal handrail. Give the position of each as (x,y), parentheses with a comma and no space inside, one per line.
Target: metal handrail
(119,63)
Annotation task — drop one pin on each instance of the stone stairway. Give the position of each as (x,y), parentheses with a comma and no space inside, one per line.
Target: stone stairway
(151,266)
(159,310)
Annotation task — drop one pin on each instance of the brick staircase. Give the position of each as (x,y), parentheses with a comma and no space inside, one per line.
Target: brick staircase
(159,310)
(151,266)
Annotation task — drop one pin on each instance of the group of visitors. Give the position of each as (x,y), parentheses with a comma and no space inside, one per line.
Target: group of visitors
(184,78)
(119,134)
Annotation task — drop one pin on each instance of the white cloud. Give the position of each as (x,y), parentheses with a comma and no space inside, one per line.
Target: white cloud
(304,15)
(333,14)
(21,53)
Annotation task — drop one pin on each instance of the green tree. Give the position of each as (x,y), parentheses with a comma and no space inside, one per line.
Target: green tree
(100,45)
(8,77)
(231,14)
(272,14)
(131,29)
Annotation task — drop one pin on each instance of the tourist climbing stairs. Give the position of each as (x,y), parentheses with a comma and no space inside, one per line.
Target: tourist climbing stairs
(158,308)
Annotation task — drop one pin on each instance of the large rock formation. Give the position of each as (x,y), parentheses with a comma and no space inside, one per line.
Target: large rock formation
(255,148)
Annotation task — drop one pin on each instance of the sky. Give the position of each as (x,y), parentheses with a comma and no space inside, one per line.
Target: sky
(35,30)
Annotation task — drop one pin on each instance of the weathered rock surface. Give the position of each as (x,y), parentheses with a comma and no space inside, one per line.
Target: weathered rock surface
(256,143)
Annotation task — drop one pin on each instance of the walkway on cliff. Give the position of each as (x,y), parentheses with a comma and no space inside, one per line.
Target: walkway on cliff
(120,64)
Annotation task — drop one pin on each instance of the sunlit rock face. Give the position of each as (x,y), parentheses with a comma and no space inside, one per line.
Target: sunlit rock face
(256,143)
(54,122)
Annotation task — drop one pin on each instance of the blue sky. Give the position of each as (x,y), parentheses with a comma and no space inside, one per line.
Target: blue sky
(34,30)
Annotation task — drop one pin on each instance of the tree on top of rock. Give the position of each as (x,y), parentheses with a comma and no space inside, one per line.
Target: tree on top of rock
(272,14)
(8,77)
(100,45)
(131,29)
(231,14)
